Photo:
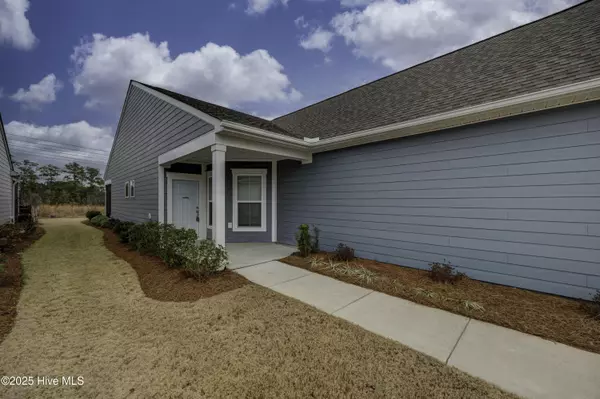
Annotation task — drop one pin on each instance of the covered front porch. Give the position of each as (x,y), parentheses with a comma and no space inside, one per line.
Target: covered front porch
(224,185)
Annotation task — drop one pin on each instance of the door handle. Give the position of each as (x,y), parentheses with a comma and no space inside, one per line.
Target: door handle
(197,214)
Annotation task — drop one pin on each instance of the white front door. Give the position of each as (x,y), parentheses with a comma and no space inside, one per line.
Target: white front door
(186,204)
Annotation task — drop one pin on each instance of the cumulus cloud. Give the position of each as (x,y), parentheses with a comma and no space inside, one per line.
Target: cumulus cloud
(60,144)
(14,26)
(318,39)
(261,6)
(39,94)
(400,34)
(104,65)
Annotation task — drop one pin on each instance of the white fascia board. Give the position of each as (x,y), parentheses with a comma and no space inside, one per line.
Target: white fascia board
(107,182)
(197,144)
(183,106)
(280,139)
(266,148)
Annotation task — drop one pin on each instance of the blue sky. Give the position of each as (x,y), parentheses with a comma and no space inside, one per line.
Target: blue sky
(65,64)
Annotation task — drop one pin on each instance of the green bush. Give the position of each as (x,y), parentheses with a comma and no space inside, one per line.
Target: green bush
(92,214)
(122,229)
(303,240)
(174,243)
(99,220)
(145,238)
(204,259)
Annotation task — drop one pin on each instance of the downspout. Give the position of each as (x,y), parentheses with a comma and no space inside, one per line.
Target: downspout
(15,199)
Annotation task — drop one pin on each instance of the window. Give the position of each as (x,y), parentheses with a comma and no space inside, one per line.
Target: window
(131,188)
(249,200)
(209,209)
(127,190)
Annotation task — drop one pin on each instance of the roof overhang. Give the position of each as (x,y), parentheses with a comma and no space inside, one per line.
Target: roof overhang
(519,105)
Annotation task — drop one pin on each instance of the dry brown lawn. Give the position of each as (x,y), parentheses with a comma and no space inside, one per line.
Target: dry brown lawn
(82,312)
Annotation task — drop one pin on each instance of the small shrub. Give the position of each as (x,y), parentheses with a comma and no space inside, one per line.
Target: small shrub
(344,253)
(593,307)
(145,238)
(444,273)
(92,214)
(122,229)
(315,240)
(175,243)
(98,220)
(204,259)
(303,240)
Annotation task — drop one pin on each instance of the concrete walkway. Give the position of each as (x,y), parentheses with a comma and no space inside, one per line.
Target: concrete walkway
(520,363)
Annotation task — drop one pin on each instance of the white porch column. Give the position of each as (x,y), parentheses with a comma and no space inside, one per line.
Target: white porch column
(274,201)
(218,193)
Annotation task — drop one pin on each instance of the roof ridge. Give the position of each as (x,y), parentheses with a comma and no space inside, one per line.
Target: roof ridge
(435,58)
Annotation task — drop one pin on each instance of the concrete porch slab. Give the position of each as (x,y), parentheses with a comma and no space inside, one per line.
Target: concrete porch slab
(253,253)
(322,292)
(527,365)
(272,273)
(428,330)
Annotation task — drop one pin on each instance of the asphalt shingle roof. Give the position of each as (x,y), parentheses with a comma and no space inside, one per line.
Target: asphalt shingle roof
(223,113)
(557,50)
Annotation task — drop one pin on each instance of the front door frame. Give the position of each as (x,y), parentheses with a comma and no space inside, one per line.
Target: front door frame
(201,198)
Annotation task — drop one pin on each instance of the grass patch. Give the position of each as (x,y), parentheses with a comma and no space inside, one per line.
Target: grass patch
(12,280)
(83,312)
(552,317)
(67,210)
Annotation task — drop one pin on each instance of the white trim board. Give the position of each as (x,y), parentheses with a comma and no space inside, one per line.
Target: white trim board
(263,209)
(201,203)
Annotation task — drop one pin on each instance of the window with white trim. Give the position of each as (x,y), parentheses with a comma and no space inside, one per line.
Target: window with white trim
(209,201)
(249,199)
(131,188)
(126,189)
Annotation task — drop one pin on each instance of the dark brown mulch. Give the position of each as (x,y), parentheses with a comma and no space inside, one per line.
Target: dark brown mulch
(11,281)
(160,282)
(551,317)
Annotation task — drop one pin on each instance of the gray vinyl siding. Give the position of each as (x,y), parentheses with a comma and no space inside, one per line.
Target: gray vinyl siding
(514,202)
(149,128)
(6,203)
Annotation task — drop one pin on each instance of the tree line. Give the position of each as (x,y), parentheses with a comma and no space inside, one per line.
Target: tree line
(49,184)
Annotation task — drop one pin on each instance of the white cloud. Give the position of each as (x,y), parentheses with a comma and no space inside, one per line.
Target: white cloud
(400,34)
(213,73)
(14,26)
(261,6)
(300,22)
(60,144)
(318,39)
(40,93)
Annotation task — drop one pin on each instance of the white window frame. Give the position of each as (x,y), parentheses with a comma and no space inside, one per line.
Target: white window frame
(131,188)
(127,189)
(263,213)
(208,200)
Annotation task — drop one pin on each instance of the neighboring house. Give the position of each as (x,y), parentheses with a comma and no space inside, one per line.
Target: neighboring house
(8,181)
(487,157)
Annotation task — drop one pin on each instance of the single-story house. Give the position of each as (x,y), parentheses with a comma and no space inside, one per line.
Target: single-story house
(487,157)
(8,181)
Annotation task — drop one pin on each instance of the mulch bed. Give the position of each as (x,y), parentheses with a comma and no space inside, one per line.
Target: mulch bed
(11,281)
(551,317)
(162,283)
